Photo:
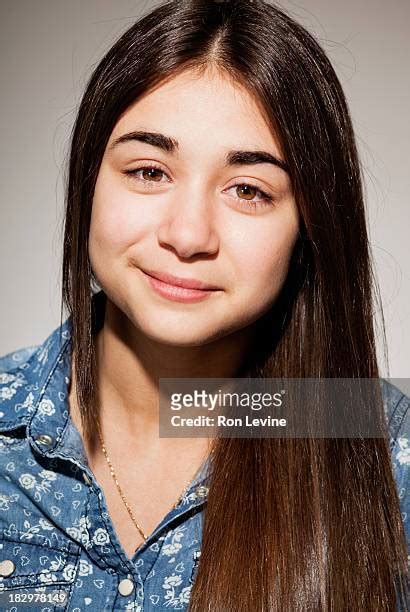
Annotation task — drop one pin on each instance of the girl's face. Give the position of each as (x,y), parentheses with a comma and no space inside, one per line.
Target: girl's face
(179,201)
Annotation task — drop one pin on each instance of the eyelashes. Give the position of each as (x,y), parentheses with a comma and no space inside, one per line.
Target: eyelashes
(265,199)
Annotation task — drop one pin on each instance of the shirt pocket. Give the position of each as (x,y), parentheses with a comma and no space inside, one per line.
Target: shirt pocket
(35,575)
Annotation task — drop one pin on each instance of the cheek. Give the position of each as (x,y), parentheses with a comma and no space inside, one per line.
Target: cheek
(263,261)
(117,221)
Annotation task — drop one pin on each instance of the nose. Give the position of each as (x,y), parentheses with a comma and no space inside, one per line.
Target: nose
(189,225)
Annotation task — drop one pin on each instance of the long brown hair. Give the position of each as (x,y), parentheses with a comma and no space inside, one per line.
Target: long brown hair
(289,524)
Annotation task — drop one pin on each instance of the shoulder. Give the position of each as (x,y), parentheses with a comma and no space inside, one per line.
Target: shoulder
(397,410)
(24,374)
(16,380)
(11,360)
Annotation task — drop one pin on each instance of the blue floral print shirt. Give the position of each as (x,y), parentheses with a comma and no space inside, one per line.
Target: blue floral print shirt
(58,546)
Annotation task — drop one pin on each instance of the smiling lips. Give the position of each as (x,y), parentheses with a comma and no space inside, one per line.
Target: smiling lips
(179,289)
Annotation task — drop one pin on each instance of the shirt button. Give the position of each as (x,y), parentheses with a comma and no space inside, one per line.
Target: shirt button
(44,439)
(7,567)
(126,587)
(202,491)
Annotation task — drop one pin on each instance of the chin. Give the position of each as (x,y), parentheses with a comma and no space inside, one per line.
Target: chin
(179,333)
(182,338)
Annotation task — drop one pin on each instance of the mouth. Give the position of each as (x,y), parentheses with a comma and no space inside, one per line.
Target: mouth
(179,289)
(177,281)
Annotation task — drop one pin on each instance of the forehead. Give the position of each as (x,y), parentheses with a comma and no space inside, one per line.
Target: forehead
(209,109)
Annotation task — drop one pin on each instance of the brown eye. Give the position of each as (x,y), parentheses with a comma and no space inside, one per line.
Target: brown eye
(249,191)
(147,175)
(150,174)
(246,193)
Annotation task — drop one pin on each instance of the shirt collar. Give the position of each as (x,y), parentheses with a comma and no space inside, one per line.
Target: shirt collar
(24,387)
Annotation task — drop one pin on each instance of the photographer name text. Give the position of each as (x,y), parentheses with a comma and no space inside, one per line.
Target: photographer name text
(223,421)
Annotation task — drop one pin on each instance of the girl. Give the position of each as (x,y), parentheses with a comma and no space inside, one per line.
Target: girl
(215,227)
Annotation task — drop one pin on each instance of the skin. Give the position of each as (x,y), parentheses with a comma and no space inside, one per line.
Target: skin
(193,221)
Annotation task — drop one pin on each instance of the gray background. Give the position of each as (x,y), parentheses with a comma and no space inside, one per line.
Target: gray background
(48,49)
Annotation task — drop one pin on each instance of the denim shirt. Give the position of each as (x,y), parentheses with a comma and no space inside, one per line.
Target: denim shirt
(58,547)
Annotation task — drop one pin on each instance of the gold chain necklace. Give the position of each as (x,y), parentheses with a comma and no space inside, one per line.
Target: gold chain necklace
(126,504)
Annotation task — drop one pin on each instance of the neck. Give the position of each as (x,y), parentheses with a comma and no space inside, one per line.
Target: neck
(130,364)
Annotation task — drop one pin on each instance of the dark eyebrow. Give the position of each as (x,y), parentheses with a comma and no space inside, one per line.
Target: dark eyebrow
(170,145)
